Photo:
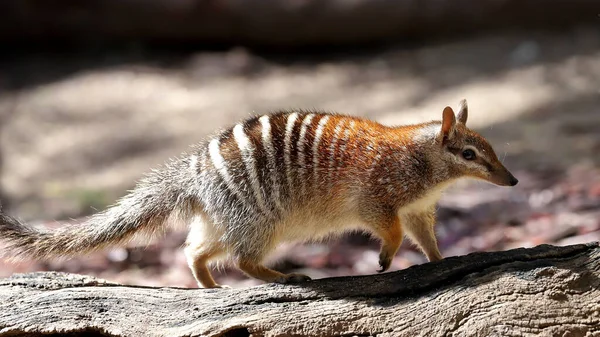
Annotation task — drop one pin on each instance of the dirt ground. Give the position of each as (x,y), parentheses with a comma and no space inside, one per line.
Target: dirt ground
(77,130)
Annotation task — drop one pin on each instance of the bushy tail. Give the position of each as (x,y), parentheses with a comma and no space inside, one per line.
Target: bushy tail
(144,210)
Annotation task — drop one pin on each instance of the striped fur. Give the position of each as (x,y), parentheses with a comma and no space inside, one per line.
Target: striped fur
(289,130)
(267,140)
(288,176)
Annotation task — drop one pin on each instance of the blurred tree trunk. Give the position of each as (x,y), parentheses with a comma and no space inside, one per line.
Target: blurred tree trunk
(547,291)
(277,23)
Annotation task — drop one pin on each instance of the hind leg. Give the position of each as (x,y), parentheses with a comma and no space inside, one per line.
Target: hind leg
(202,247)
(258,271)
(198,257)
(249,257)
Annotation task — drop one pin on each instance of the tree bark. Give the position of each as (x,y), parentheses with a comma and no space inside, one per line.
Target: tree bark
(278,23)
(542,291)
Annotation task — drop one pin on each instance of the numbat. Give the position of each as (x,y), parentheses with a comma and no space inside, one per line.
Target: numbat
(288,176)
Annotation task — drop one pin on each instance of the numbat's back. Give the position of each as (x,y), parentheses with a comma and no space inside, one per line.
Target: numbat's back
(287,176)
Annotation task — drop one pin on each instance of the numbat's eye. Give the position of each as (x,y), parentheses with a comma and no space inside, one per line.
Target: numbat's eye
(468,154)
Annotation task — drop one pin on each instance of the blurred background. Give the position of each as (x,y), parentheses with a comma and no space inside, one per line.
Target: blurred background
(94,93)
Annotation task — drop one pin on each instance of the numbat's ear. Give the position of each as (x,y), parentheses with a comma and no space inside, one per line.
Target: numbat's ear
(448,125)
(463,112)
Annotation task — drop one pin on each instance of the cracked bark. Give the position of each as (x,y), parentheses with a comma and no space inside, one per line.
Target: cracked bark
(546,290)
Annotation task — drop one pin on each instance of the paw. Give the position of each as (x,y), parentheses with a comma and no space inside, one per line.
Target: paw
(293,278)
(384,261)
(434,257)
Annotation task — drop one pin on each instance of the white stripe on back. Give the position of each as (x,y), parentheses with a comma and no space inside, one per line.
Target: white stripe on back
(219,163)
(344,141)
(300,148)
(268,145)
(289,128)
(315,147)
(247,150)
(336,135)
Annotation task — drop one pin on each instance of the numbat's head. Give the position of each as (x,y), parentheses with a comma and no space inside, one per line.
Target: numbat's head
(469,153)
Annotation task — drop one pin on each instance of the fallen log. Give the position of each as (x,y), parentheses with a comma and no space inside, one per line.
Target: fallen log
(542,291)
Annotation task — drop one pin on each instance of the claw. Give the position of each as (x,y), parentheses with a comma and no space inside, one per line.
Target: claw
(384,263)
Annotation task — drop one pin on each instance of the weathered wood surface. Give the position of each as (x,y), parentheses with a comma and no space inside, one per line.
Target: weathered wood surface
(278,23)
(542,291)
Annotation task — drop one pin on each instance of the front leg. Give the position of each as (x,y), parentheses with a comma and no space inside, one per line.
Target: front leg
(387,227)
(420,229)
